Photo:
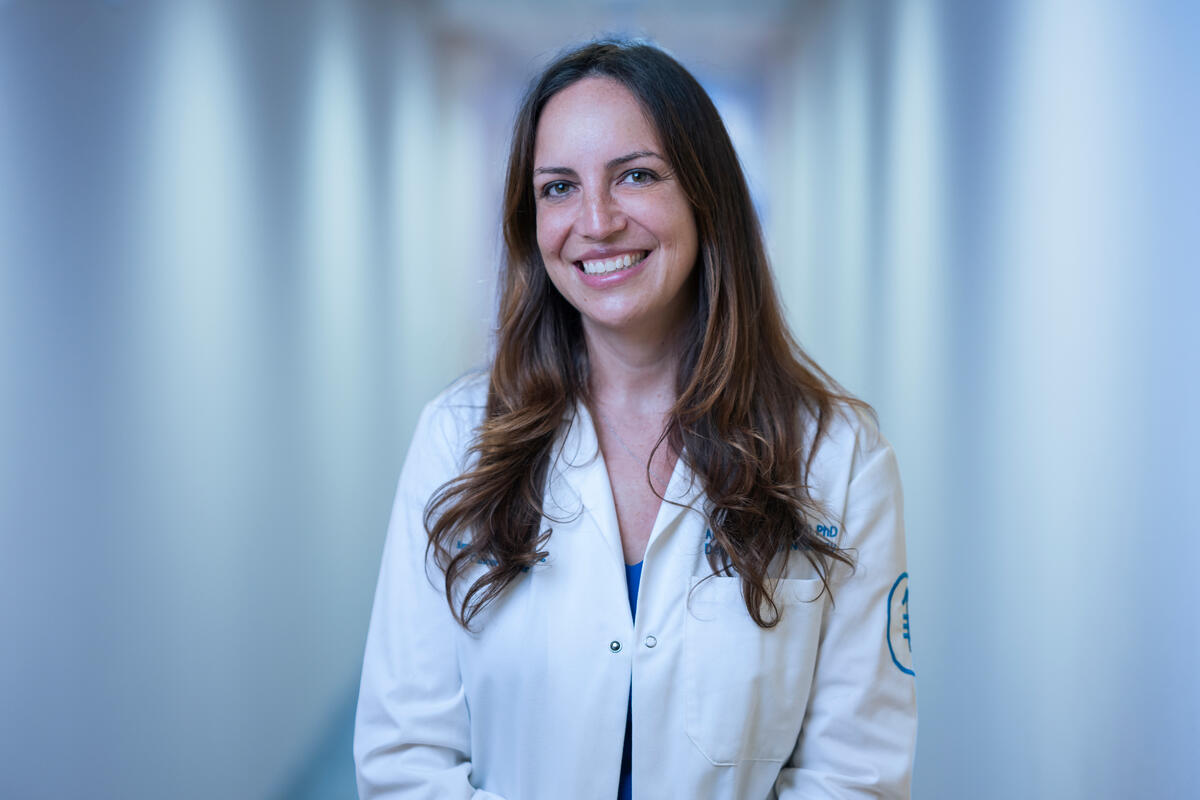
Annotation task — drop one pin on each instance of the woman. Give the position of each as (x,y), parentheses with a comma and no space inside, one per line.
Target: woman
(654,551)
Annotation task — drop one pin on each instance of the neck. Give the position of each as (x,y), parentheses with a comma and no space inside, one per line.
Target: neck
(633,374)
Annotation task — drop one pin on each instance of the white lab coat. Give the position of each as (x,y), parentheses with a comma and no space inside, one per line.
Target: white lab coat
(532,706)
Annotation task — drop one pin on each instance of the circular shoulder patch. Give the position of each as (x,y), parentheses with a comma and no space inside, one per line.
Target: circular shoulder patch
(899,640)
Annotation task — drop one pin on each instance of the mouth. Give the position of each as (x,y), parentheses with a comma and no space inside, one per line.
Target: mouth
(614,264)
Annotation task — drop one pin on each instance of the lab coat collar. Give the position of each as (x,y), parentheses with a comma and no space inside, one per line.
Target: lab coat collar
(578,483)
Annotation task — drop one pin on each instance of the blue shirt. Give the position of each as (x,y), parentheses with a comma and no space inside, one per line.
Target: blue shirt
(633,576)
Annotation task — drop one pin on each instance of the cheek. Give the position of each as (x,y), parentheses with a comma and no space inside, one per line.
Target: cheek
(672,219)
(682,226)
(550,232)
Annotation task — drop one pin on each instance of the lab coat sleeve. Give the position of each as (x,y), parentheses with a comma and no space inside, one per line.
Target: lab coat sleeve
(859,731)
(412,729)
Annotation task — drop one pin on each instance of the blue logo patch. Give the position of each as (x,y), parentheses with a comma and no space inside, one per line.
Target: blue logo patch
(899,640)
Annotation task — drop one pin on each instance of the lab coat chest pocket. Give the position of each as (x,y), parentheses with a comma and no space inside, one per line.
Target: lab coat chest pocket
(747,687)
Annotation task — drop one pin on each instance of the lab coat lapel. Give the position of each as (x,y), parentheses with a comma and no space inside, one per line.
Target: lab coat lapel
(578,482)
(578,485)
(684,493)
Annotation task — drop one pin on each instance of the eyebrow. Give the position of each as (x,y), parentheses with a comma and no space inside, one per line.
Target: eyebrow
(616,162)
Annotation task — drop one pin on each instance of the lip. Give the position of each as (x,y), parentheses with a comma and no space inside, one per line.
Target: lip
(611,279)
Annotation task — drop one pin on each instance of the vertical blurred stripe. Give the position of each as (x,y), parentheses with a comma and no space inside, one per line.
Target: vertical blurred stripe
(914,277)
(1062,412)
(10,218)
(338,273)
(338,263)
(191,375)
(449,140)
(849,120)
(193,305)
(413,183)
(913,374)
(798,156)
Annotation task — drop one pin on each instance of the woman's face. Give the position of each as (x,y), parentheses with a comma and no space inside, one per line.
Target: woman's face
(615,230)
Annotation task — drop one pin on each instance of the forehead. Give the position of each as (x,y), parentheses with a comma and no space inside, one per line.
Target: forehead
(592,119)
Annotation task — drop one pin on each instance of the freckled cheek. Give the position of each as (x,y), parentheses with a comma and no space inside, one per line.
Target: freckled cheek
(551,235)
(670,220)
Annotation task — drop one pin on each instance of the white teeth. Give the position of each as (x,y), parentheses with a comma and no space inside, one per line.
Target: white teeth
(612,265)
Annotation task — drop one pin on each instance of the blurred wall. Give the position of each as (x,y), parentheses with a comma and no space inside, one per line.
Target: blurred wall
(991,242)
(236,257)
(986,226)
(242,243)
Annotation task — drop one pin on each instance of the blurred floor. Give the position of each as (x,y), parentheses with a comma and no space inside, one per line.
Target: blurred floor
(327,773)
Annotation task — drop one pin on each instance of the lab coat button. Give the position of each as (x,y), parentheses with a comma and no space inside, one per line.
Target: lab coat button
(615,646)
(651,641)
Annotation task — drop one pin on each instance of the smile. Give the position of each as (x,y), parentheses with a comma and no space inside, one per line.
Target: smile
(613,264)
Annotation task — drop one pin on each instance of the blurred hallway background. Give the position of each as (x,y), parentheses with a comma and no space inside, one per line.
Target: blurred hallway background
(242,243)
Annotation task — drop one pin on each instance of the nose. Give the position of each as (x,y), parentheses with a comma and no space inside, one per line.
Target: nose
(600,215)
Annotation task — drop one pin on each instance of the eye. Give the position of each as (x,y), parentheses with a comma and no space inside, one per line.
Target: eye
(640,177)
(556,189)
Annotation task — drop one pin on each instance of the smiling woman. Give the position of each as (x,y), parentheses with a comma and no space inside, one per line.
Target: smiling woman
(613,556)
(615,229)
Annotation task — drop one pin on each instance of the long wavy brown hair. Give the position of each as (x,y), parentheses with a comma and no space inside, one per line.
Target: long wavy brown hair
(752,406)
